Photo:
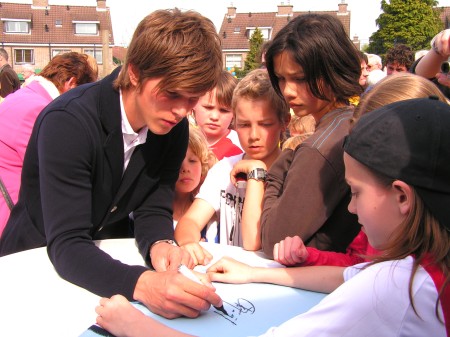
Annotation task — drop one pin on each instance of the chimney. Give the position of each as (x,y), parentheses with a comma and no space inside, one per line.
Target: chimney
(101,4)
(285,10)
(40,3)
(342,7)
(231,11)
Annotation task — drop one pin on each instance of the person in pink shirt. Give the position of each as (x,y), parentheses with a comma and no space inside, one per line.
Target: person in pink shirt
(19,111)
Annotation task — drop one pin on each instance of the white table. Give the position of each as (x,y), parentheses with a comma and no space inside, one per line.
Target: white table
(35,301)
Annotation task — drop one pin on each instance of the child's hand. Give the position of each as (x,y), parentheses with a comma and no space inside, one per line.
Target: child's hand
(443,79)
(118,316)
(290,251)
(244,166)
(230,271)
(198,253)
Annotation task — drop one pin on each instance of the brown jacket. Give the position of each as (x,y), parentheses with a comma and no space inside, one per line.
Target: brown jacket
(306,192)
(9,81)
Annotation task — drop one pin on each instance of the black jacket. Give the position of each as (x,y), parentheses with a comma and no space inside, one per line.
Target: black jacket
(72,190)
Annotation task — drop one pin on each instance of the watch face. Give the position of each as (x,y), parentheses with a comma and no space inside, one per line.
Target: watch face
(258,174)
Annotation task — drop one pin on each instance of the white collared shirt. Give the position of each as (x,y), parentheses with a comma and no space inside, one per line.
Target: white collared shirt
(131,139)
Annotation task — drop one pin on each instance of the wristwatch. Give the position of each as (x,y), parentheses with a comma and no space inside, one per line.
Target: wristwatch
(170,242)
(259,174)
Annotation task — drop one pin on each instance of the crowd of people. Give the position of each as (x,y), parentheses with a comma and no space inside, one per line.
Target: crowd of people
(338,175)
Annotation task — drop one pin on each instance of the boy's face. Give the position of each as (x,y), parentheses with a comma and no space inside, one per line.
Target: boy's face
(212,118)
(395,67)
(375,205)
(258,129)
(159,111)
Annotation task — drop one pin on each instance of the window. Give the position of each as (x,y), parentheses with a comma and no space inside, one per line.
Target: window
(264,31)
(96,53)
(22,56)
(237,29)
(21,27)
(60,51)
(233,60)
(58,23)
(87,28)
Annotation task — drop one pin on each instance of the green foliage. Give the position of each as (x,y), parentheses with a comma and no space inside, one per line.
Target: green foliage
(117,61)
(411,22)
(252,60)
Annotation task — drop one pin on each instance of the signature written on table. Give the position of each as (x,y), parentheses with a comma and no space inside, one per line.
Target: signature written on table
(235,310)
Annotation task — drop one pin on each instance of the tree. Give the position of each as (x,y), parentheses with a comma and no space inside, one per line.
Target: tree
(411,22)
(256,41)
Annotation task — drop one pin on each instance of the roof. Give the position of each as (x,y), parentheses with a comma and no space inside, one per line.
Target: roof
(44,27)
(233,31)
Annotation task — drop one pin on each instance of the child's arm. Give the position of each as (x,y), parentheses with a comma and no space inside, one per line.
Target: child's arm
(121,319)
(292,252)
(187,232)
(318,278)
(251,213)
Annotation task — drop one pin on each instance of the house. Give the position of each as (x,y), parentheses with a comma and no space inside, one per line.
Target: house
(237,28)
(35,33)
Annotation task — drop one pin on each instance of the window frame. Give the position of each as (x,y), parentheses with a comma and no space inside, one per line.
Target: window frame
(24,59)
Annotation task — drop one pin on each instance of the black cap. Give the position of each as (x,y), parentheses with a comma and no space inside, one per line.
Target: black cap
(409,141)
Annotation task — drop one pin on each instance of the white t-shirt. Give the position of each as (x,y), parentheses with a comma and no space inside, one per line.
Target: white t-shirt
(226,200)
(372,302)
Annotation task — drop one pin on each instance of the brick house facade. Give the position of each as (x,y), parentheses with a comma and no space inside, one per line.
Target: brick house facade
(33,34)
(237,28)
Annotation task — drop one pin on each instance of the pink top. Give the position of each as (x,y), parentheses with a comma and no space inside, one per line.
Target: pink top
(18,113)
(354,254)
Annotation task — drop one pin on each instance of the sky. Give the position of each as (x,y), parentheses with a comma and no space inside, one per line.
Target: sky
(125,15)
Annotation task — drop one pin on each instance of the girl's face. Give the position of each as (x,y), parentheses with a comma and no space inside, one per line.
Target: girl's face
(291,79)
(190,173)
(212,118)
(376,205)
(258,129)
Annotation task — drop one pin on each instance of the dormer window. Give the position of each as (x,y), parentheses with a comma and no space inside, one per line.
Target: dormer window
(86,28)
(16,26)
(265,31)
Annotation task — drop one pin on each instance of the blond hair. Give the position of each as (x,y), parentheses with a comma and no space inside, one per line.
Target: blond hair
(256,86)
(394,88)
(301,125)
(293,142)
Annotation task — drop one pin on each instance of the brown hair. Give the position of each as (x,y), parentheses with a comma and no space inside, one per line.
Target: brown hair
(402,54)
(329,59)
(182,48)
(224,88)
(63,67)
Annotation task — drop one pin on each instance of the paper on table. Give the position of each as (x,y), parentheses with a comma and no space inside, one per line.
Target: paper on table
(252,308)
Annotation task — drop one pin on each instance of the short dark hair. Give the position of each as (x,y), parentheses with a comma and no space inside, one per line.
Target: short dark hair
(402,54)
(320,45)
